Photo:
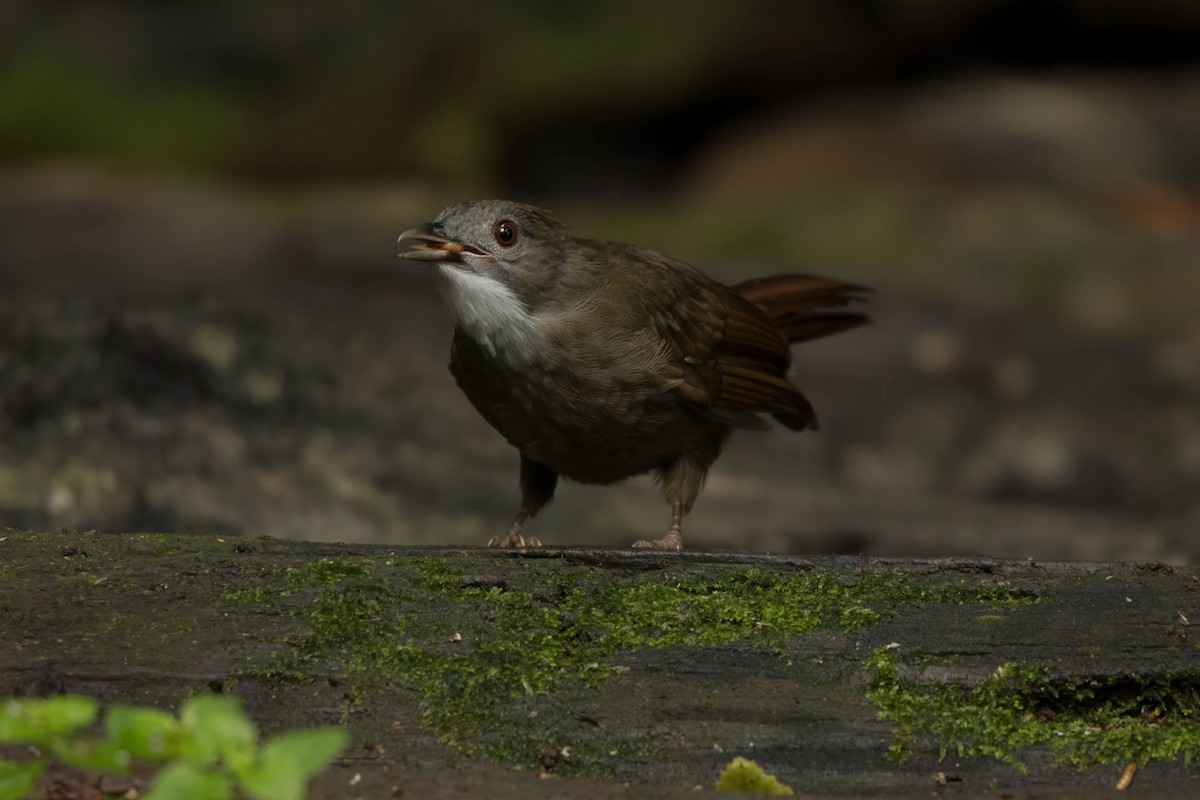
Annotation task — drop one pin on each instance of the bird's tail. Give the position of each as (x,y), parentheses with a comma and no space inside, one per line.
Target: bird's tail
(805,307)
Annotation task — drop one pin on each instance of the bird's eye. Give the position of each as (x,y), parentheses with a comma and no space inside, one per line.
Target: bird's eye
(506,233)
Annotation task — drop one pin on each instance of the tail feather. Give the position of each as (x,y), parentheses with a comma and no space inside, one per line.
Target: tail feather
(804,307)
(800,305)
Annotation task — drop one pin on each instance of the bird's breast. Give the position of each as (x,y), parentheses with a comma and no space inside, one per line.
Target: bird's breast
(596,423)
(489,312)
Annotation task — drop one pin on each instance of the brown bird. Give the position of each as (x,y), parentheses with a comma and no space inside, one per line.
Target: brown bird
(599,361)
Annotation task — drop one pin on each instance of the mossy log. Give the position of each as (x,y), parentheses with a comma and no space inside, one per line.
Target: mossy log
(613,673)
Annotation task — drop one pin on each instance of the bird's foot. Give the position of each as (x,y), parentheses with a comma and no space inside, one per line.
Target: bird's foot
(672,541)
(514,539)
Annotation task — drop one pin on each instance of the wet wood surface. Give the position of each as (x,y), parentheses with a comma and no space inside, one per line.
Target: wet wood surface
(150,619)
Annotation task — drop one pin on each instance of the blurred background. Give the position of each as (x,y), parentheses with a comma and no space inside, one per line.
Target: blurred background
(201,331)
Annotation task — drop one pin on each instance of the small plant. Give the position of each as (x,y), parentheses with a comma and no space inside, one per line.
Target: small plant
(208,751)
(744,775)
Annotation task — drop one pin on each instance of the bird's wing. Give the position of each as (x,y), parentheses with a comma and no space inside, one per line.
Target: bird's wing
(727,358)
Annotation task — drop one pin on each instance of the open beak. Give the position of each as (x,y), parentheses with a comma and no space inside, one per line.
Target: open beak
(427,243)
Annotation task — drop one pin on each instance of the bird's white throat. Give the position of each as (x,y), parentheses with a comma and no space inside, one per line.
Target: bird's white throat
(489,312)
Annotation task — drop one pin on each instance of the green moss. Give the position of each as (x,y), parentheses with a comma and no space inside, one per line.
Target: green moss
(924,658)
(484,658)
(253,595)
(1084,721)
(744,775)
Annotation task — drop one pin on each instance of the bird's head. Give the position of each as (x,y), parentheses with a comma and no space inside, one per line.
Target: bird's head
(498,263)
(517,246)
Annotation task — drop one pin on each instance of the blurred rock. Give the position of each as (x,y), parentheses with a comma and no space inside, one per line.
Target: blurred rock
(1125,142)
(1022,457)
(311,400)
(86,231)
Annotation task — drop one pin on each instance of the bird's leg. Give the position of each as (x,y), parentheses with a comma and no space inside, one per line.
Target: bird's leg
(681,483)
(674,538)
(537,489)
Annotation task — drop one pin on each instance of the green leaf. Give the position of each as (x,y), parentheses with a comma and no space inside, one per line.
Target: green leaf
(274,780)
(147,733)
(97,756)
(68,713)
(288,760)
(310,751)
(214,726)
(15,725)
(18,780)
(42,720)
(180,780)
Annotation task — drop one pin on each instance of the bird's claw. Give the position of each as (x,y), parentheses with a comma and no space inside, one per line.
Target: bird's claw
(514,539)
(672,541)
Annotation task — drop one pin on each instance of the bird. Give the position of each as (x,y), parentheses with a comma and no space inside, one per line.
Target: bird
(599,361)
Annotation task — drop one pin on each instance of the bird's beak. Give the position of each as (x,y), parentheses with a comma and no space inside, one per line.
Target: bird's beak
(427,243)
